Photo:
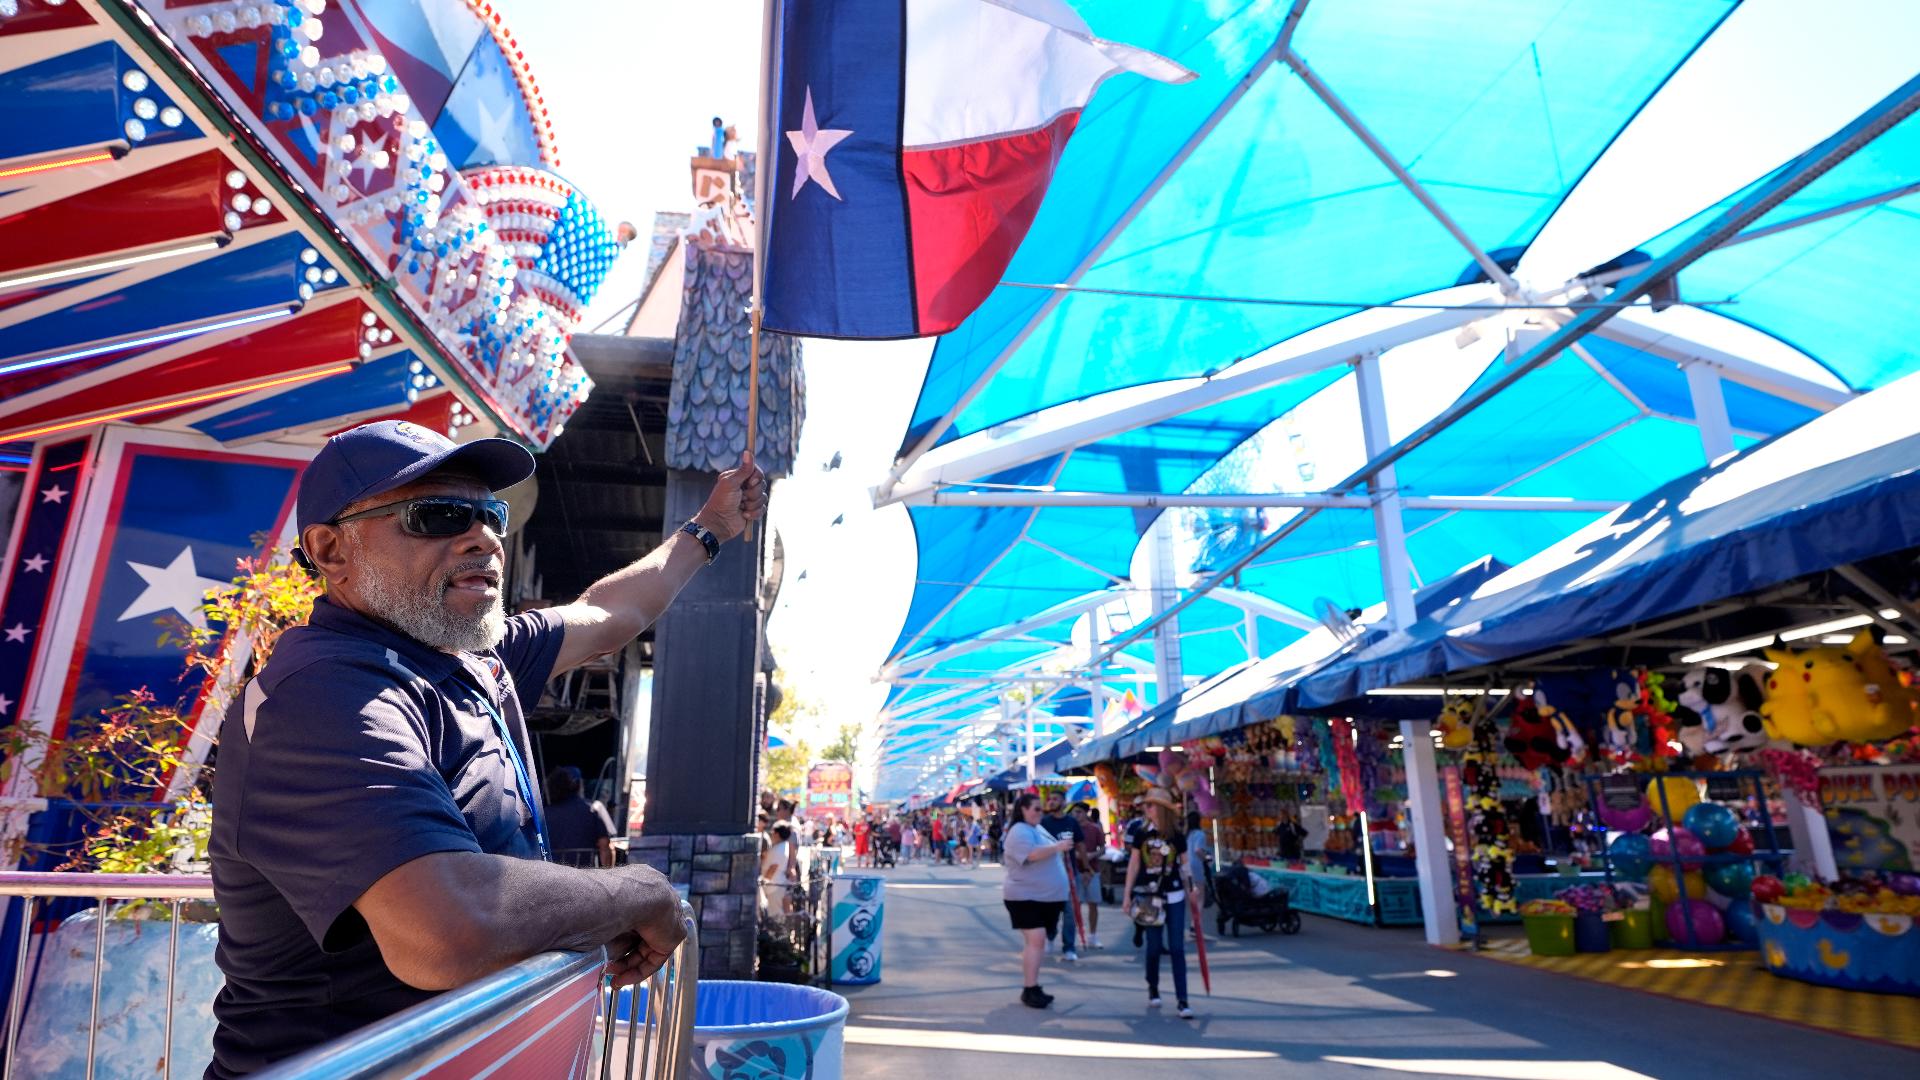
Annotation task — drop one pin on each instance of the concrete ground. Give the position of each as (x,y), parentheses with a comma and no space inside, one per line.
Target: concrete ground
(1336,1001)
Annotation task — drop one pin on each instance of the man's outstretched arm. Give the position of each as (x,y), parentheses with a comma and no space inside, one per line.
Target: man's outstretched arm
(615,609)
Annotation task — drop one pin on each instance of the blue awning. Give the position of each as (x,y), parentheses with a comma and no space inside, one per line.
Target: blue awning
(1844,487)
(1499,112)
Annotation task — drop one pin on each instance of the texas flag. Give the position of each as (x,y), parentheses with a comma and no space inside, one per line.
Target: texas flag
(913,143)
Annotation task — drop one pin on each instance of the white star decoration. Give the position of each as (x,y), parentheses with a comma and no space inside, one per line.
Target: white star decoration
(5,704)
(18,632)
(175,587)
(369,146)
(491,139)
(811,145)
(53,494)
(35,565)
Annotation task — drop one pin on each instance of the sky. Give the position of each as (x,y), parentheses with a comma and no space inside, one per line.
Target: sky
(633,85)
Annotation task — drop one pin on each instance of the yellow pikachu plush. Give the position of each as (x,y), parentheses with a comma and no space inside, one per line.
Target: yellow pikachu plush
(1821,695)
(1890,703)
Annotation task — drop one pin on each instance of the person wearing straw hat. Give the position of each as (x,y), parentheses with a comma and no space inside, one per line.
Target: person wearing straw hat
(1155,897)
(377,835)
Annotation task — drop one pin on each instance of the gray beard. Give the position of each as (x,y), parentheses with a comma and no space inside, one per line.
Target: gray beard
(423,614)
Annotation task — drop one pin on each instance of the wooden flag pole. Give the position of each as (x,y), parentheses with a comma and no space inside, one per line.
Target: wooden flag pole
(763,166)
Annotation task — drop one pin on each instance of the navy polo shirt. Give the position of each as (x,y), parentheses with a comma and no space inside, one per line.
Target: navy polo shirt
(356,750)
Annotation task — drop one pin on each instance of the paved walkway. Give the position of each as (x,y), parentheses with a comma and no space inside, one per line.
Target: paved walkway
(1337,1001)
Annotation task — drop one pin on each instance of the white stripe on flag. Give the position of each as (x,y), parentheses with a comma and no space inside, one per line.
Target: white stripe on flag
(982,69)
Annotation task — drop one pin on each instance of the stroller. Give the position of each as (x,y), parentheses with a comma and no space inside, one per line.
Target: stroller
(886,851)
(1238,904)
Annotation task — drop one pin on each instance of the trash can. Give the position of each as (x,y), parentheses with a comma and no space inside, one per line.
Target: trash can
(1590,933)
(768,1031)
(1549,935)
(1634,930)
(859,904)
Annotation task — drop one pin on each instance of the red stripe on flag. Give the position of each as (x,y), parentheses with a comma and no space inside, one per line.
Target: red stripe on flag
(968,208)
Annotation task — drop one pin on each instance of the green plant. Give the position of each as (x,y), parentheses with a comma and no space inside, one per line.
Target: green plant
(133,750)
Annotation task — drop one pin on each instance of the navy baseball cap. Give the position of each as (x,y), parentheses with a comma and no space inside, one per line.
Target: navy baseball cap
(373,458)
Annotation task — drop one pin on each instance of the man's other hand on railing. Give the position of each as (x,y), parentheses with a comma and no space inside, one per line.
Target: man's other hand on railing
(451,917)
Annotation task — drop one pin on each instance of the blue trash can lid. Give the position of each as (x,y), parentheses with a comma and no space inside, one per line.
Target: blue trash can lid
(740,1007)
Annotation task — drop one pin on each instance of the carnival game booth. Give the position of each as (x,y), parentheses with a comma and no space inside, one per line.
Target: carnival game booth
(1709,665)
(228,230)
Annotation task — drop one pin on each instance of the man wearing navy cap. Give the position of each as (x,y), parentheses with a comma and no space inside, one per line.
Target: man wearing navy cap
(377,837)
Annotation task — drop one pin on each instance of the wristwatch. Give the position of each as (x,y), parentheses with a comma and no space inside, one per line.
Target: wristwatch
(705,536)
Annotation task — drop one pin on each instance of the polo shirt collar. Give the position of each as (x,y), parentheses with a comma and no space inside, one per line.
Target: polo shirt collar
(432,664)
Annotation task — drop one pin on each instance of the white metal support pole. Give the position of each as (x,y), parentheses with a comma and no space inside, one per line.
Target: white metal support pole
(1030,747)
(1710,411)
(1096,686)
(1428,826)
(1396,577)
(1165,589)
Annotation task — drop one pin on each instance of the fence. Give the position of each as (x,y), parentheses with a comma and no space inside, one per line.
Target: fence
(519,1022)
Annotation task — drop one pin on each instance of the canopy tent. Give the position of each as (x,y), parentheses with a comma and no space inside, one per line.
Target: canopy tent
(1258,690)
(1636,400)
(1842,489)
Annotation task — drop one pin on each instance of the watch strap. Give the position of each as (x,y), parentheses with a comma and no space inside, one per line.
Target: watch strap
(705,536)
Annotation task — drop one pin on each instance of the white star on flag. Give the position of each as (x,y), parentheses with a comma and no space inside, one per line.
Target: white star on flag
(369,146)
(34,565)
(18,632)
(53,494)
(175,587)
(5,704)
(811,144)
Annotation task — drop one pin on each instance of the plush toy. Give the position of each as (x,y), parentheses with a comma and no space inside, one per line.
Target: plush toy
(1693,708)
(1736,701)
(1532,740)
(1890,702)
(1456,723)
(1621,718)
(1825,695)
(1564,731)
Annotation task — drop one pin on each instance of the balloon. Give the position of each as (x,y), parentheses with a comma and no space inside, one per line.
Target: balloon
(1667,841)
(1768,889)
(1632,856)
(1627,821)
(1742,843)
(1715,825)
(1733,880)
(1708,927)
(1742,924)
(1667,891)
(1681,794)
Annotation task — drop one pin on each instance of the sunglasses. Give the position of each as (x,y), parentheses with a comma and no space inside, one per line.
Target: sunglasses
(439,515)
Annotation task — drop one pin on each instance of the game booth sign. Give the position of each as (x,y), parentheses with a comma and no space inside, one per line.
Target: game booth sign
(227,231)
(829,792)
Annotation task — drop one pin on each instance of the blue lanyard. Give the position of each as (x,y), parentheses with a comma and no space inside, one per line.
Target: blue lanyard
(527,793)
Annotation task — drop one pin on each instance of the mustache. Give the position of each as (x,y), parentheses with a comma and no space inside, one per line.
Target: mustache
(471,566)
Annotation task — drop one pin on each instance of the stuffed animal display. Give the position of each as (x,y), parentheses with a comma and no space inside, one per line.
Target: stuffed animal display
(1533,740)
(1830,694)
(1728,700)
(1456,724)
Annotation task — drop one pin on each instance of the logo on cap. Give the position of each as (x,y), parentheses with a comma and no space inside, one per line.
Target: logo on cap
(408,430)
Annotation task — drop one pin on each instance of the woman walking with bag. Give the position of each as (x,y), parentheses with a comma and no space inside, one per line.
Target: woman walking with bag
(1035,891)
(1156,897)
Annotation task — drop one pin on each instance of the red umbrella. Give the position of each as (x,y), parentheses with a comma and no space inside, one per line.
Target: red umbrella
(1073,901)
(1200,941)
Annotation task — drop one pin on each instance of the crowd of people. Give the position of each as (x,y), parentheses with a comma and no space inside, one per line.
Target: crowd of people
(1058,862)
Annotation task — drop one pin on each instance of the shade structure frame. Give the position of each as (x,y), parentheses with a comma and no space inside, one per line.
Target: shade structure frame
(1808,167)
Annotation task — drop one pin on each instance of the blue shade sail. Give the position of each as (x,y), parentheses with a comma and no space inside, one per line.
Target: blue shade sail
(1498,114)
(1841,488)
(1836,287)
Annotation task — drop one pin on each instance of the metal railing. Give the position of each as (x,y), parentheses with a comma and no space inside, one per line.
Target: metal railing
(544,994)
(176,889)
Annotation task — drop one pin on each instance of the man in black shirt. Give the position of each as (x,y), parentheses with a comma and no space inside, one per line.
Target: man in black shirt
(377,837)
(579,834)
(1060,825)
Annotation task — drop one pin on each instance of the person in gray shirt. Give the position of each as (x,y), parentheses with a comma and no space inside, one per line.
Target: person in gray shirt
(1035,891)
